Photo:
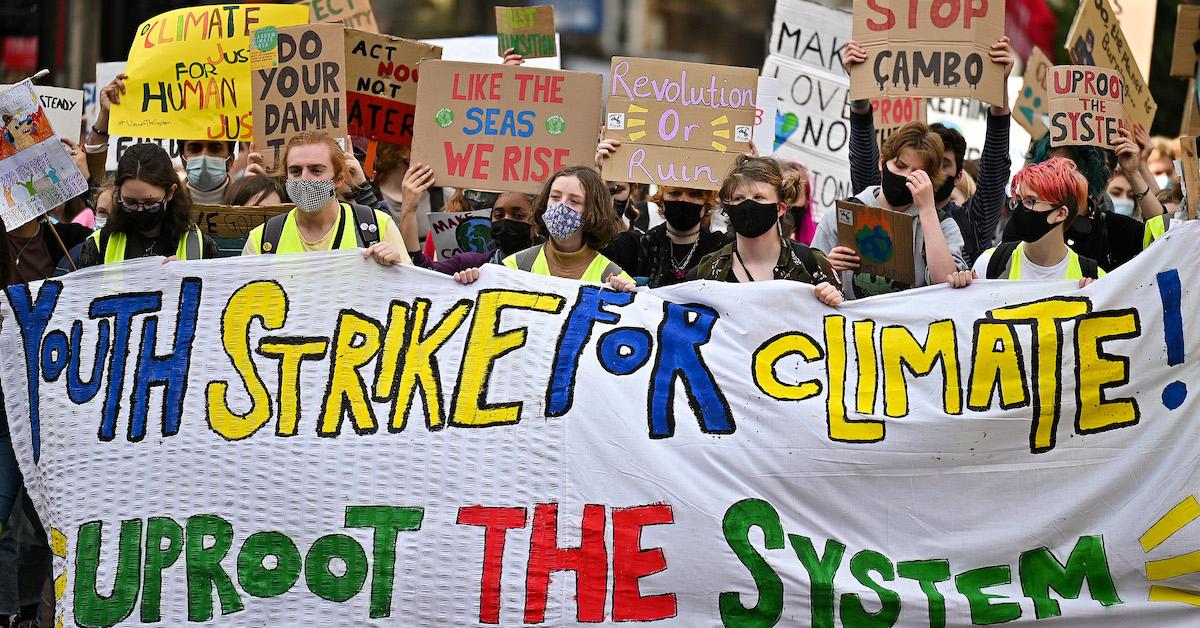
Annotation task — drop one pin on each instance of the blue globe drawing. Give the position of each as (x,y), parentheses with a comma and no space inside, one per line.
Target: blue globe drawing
(475,235)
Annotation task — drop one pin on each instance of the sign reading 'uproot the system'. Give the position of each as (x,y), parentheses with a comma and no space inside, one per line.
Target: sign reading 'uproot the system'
(189,72)
(1096,38)
(1085,105)
(381,84)
(680,124)
(503,128)
(928,48)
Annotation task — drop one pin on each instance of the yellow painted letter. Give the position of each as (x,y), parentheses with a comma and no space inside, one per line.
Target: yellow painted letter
(266,302)
(1099,370)
(291,352)
(996,363)
(356,342)
(840,428)
(901,349)
(773,351)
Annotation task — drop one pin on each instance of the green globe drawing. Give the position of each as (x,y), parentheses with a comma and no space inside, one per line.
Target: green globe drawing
(475,235)
(444,117)
(555,125)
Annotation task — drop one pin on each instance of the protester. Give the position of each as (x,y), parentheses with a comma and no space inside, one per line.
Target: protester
(1173,213)
(633,212)
(37,246)
(1161,161)
(977,218)
(911,171)
(669,251)
(1120,194)
(207,165)
(252,191)
(799,222)
(1046,200)
(575,211)
(755,196)
(314,164)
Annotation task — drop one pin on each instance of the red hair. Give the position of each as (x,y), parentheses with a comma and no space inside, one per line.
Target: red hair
(1055,180)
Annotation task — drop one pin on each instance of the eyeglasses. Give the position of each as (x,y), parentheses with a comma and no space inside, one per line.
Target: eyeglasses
(1029,203)
(145,206)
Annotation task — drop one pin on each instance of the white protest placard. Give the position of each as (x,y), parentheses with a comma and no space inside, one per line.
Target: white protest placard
(458,232)
(245,440)
(36,173)
(64,108)
(766,98)
(482,49)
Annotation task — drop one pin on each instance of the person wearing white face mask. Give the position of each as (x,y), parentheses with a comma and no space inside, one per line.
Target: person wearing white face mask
(1121,196)
(207,164)
(314,164)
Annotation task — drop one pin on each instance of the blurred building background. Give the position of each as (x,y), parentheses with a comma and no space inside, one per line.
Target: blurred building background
(70,36)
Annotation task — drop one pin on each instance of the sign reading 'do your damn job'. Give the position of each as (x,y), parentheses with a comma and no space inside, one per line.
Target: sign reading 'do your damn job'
(928,48)
(189,72)
(504,128)
(304,91)
(1085,105)
(381,84)
(680,124)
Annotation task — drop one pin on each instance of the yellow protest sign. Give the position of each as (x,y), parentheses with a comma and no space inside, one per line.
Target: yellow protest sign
(189,72)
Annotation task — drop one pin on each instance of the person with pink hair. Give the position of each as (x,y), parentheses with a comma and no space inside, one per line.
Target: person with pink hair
(800,214)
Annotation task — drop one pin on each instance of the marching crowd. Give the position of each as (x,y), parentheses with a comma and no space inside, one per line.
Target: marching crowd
(1071,213)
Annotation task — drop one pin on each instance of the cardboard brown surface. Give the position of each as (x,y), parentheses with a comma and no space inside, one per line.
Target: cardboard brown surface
(1191,173)
(479,129)
(1085,105)
(230,221)
(1187,34)
(1096,39)
(1032,106)
(529,30)
(881,237)
(892,113)
(1191,112)
(305,91)
(679,123)
(381,84)
(356,14)
(928,52)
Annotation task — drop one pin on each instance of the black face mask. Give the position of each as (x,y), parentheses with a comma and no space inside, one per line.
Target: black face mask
(682,215)
(751,219)
(895,188)
(145,220)
(620,206)
(1029,225)
(945,191)
(512,235)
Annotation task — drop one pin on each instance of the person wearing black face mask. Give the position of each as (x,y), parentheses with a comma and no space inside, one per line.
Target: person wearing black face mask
(978,216)
(672,249)
(512,231)
(151,217)
(754,196)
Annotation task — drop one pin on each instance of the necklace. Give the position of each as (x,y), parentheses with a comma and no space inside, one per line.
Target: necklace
(744,269)
(680,268)
(17,258)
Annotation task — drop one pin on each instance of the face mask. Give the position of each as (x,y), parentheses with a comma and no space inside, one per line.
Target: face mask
(309,195)
(1123,206)
(945,191)
(511,235)
(206,173)
(620,206)
(100,222)
(1163,180)
(144,220)
(1029,225)
(895,188)
(562,222)
(682,215)
(751,219)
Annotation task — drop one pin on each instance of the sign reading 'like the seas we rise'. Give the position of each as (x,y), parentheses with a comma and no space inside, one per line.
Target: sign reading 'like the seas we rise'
(681,124)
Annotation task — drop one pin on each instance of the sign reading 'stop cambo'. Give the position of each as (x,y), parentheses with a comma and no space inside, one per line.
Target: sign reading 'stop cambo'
(246,442)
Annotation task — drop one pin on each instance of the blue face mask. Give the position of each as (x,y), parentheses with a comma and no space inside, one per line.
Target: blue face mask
(206,173)
(562,222)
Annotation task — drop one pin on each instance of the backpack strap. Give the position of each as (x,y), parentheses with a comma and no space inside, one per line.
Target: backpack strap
(1088,267)
(271,233)
(525,259)
(1000,257)
(366,225)
(807,259)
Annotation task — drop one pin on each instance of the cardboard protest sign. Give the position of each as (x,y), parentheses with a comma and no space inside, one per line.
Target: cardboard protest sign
(928,49)
(356,14)
(482,49)
(1191,112)
(528,30)
(63,107)
(1190,166)
(766,97)
(189,72)
(501,127)
(306,447)
(36,173)
(306,91)
(1187,36)
(1137,22)
(1085,105)
(459,232)
(229,221)
(1032,107)
(892,113)
(381,84)
(881,238)
(1096,39)
(681,124)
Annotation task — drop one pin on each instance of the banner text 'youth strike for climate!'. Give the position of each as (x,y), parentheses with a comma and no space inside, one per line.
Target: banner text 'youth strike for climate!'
(857,368)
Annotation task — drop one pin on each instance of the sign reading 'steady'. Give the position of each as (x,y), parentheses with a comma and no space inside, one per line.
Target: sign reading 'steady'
(680,124)
(1096,38)
(504,128)
(189,72)
(381,84)
(1085,105)
(929,48)
(527,30)
(304,91)
(353,13)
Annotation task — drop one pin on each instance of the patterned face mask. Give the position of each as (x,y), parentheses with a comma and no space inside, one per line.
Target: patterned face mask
(562,222)
(308,194)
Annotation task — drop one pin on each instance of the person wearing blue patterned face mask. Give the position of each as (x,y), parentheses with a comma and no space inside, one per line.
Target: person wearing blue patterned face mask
(207,166)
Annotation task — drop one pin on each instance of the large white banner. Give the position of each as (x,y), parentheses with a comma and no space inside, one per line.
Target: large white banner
(316,439)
